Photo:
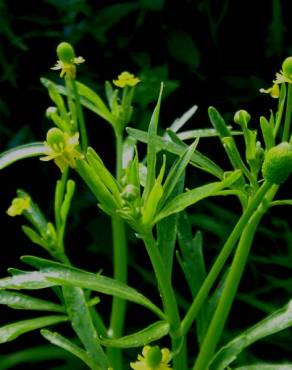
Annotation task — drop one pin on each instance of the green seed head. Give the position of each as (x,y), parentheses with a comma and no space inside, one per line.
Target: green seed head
(287,67)
(277,164)
(55,138)
(241,117)
(65,52)
(154,357)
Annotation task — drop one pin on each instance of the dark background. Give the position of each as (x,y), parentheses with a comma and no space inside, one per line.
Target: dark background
(207,52)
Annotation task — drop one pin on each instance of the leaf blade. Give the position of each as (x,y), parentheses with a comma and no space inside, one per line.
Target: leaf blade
(12,331)
(147,335)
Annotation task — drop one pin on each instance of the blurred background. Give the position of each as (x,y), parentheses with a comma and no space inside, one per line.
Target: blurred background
(207,52)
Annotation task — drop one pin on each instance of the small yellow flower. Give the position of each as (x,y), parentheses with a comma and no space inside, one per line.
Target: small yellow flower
(68,69)
(18,205)
(67,60)
(274,91)
(61,148)
(153,358)
(126,79)
(285,75)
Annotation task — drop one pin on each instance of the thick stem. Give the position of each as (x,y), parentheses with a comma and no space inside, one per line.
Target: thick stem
(231,285)
(120,269)
(168,298)
(222,258)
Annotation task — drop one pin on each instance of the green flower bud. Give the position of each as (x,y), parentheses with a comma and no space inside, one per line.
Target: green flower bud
(153,357)
(277,164)
(287,67)
(241,117)
(130,192)
(51,111)
(65,52)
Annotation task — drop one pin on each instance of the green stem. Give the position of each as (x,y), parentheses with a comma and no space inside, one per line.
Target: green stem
(168,298)
(71,105)
(222,258)
(231,285)
(79,313)
(120,269)
(288,115)
(59,197)
(80,116)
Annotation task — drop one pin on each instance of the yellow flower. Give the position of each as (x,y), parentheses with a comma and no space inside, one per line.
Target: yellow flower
(67,60)
(61,148)
(274,91)
(68,69)
(18,205)
(153,358)
(126,79)
(285,75)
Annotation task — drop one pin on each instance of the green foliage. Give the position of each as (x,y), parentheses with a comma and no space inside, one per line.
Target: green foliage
(151,202)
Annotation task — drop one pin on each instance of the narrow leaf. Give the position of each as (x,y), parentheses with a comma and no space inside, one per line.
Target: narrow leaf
(204,132)
(61,274)
(60,341)
(21,152)
(81,321)
(198,159)
(153,332)
(151,147)
(12,331)
(266,367)
(28,280)
(176,172)
(167,231)
(218,123)
(178,123)
(191,197)
(35,355)
(268,133)
(97,165)
(34,236)
(25,302)
(193,264)
(272,324)
(88,98)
